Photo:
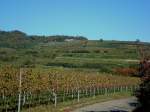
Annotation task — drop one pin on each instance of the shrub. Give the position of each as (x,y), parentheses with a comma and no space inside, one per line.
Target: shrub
(126,71)
(143,94)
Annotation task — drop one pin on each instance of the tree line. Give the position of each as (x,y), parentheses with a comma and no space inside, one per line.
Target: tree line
(19,39)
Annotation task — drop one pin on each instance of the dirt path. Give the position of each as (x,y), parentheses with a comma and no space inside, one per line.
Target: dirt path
(122,105)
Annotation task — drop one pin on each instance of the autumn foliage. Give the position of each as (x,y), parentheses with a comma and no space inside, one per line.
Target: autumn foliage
(126,71)
(39,86)
(143,94)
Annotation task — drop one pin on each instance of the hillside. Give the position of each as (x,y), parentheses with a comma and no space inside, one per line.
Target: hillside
(20,49)
(18,39)
(58,69)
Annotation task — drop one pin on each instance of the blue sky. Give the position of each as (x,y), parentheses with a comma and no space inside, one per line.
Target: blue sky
(95,19)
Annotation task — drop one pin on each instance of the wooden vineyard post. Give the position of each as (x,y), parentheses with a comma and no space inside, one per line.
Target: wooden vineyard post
(121,89)
(55,99)
(72,94)
(98,89)
(105,91)
(19,98)
(90,91)
(86,92)
(94,92)
(78,95)
(24,98)
(126,88)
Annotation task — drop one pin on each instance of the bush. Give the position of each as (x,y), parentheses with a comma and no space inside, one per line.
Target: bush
(143,94)
(126,71)
(97,51)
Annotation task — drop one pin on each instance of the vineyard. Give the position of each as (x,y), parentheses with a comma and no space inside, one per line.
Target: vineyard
(51,86)
(62,55)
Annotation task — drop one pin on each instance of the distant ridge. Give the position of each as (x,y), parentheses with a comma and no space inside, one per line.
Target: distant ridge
(18,38)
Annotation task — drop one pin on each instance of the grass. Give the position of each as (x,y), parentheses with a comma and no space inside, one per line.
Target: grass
(74,52)
(72,105)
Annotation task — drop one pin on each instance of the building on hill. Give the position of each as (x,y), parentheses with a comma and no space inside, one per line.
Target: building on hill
(69,40)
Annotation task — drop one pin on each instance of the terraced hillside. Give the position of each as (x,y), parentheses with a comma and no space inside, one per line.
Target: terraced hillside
(19,49)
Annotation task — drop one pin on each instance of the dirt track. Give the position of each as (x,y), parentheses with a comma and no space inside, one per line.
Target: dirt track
(123,105)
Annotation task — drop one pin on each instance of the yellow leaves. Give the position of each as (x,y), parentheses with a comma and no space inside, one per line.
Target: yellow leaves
(8,78)
(58,80)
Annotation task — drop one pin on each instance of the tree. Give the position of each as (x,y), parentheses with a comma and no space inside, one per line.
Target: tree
(137,41)
(101,40)
(143,94)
